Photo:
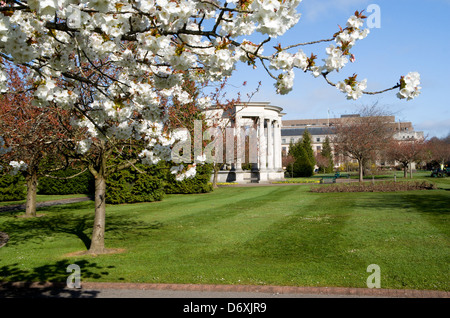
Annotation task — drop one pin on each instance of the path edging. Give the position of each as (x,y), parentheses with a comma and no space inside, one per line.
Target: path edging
(375,292)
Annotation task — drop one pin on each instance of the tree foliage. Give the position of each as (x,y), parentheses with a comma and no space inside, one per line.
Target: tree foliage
(304,156)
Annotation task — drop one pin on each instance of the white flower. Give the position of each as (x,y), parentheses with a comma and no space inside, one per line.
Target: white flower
(191,171)
(335,60)
(83,146)
(4,28)
(18,166)
(285,82)
(355,22)
(201,158)
(3,82)
(353,92)
(282,60)
(300,60)
(148,157)
(409,86)
(316,70)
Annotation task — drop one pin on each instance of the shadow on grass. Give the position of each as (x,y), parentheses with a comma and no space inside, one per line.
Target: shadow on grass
(430,202)
(56,273)
(67,220)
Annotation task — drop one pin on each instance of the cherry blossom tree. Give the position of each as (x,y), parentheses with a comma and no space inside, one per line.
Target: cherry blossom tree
(118,59)
(33,136)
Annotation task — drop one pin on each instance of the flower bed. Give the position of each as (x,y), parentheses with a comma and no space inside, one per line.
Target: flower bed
(385,186)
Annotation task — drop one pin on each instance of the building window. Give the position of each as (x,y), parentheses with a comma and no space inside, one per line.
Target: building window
(319,148)
(318,139)
(283,141)
(292,140)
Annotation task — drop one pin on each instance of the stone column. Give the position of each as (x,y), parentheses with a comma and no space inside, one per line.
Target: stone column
(278,157)
(262,151)
(239,151)
(270,144)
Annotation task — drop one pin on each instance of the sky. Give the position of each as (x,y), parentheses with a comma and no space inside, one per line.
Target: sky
(414,35)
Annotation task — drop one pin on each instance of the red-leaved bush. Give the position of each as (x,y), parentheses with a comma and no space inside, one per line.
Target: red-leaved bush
(384,186)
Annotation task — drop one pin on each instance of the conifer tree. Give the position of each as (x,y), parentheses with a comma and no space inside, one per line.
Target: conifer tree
(327,152)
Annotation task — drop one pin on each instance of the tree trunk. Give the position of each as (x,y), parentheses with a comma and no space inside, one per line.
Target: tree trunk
(361,170)
(410,170)
(98,233)
(405,171)
(32,182)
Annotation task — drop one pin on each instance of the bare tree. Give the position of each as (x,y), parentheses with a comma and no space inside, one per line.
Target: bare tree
(362,137)
(406,152)
(439,150)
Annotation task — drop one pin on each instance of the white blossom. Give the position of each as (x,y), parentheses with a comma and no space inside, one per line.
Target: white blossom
(18,166)
(355,22)
(335,60)
(354,91)
(282,60)
(83,146)
(409,86)
(133,55)
(285,82)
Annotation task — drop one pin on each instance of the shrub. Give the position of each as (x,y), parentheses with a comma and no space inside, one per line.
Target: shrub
(12,188)
(198,184)
(131,186)
(385,186)
(303,168)
(82,184)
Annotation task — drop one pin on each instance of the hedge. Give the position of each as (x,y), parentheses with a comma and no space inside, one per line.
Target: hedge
(198,184)
(380,186)
(82,184)
(12,188)
(130,186)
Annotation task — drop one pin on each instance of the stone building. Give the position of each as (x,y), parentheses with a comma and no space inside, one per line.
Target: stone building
(254,138)
(256,155)
(319,129)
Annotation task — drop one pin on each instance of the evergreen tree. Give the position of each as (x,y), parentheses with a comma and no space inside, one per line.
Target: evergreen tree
(304,156)
(327,152)
(306,144)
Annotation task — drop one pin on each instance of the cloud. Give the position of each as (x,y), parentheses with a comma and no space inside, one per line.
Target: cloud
(438,128)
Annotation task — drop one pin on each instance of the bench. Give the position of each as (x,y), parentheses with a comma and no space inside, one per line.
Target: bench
(341,175)
(328,179)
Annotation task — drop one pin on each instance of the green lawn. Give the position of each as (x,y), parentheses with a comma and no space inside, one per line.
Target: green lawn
(274,235)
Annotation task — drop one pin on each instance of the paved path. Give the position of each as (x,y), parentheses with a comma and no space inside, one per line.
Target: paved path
(130,290)
(15,207)
(265,184)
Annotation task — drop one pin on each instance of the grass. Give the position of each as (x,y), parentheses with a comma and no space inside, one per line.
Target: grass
(253,235)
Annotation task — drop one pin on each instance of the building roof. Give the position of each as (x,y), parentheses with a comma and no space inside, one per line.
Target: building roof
(287,132)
